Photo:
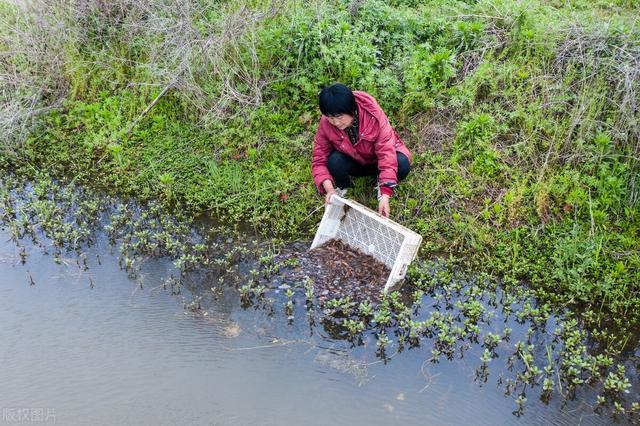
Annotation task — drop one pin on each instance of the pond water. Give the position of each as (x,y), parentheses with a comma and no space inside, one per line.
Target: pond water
(95,347)
(116,312)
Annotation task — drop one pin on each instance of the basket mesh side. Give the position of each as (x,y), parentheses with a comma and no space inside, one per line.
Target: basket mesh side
(371,236)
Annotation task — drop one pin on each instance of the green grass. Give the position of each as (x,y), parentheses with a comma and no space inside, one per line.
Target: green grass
(519,115)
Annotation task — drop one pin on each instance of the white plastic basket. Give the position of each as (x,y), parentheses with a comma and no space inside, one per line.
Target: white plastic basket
(375,235)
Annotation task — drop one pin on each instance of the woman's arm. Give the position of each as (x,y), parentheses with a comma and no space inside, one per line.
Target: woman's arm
(387,158)
(387,164)
(321,150)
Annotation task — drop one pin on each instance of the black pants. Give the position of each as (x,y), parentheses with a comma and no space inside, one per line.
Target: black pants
(341,167)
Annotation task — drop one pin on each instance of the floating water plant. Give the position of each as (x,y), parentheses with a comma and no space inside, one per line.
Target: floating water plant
(365,308)
(245,291)
(382,342)
(354,327)
(288,307)
(309,291)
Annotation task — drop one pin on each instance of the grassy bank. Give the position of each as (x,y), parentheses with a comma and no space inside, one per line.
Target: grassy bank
(523,117)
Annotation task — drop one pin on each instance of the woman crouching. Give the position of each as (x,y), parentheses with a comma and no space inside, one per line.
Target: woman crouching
(354,138)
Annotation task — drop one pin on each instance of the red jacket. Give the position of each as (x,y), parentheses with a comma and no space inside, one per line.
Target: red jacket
(377,144)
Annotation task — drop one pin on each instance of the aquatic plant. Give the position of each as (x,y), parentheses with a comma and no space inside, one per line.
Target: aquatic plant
(382,315)
(245,291)
(354,327)
(365,309)
(259,291)
(383,341)
(309,290)
(342,307)
(289,304)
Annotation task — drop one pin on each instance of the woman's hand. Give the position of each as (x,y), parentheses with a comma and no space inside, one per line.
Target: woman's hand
(327,197)
(329,189)
(383,206)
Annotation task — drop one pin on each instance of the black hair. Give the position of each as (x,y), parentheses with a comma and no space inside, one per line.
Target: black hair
(337,99)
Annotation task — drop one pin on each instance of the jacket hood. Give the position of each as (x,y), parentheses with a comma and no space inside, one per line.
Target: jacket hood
(367,103)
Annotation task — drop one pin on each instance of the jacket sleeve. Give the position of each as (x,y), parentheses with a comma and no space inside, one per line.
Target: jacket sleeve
(387,157)
(321,149)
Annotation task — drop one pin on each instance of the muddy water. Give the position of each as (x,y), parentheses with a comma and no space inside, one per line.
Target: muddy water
(119,353)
